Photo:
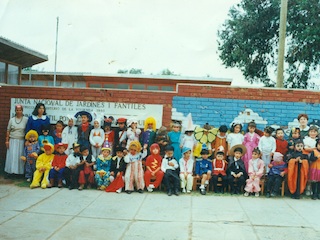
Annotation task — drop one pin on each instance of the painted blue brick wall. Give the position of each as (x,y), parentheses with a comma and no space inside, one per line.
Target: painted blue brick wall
(219,111)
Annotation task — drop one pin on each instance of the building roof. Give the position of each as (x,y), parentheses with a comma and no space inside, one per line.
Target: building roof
(20,55)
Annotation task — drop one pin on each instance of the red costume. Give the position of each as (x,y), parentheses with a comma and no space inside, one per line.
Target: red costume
(219,167)
(59,161)
(153,164)
(281,146)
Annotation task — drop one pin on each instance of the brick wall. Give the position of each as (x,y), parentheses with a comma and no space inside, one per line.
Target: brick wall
(207,103)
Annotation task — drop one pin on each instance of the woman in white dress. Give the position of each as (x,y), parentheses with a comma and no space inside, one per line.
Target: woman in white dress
(15,143)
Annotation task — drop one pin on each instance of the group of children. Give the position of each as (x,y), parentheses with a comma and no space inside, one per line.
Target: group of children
(85,156)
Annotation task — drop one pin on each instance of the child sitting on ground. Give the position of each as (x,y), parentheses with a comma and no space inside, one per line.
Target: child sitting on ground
(153,168)
(186,170)
(171,177)
(43,167)
(203,170)
(236,170)
(58,164)
(255,172)
(278,169)
(219,166)
(86,175)
(102,176)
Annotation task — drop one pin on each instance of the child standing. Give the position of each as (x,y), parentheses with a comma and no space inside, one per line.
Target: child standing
(267,146)
(45,137)
(134,172)
(255,172)
(174,138)
(153,168)
(58,164)
(297,170)
(86,175)
(251,141)
(281,143)
(133,132)
(57,133)
(84,128)
(188,140)
(203,170)
(221,141)
(149,134)
(278,169)
(96,138)
(108,133)
(120,134)
(103,166)
(219,166)
(236,170)
(295,135)
(69,133)
(314,172)
(43,167)
(73,167)
(171,177)
(235,136)
(186,170)
(310,141)
(31,150)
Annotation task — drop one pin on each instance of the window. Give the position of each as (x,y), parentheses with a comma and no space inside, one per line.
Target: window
(26,83)
(13,74)
(109,86)
(123,86)
(65,84)
(94,85)
(167,88)
(153,87)
(2,72)
(79,84)
(39,83)
(138,86)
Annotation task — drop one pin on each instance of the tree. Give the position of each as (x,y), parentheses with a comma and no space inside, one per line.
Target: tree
(168,72)
(249,41)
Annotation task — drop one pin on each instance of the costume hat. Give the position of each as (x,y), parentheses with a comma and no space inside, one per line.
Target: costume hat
(75,145)
(48,146)
(119,149)
(81,113)
(121,120)
(65,145)
(32,132)
(188,124)
(238,147)
(185,149)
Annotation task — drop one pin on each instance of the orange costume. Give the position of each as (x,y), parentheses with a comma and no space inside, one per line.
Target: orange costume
(218,142)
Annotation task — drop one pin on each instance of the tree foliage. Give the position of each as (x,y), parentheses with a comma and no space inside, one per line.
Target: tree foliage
(249,40)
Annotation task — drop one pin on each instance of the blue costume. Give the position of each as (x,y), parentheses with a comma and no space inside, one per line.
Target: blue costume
(175,143)
(30,162)
(35,123)
(203,166)
(103,164)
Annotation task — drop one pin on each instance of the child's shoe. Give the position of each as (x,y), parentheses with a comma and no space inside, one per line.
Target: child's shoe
(149,189)
(176,192)
(188,191)
(89,186)
(246,194)
(140,191)
(169,192)
(102,188)
(81,187)
(43,186)
(184,190)
(257,194)
(60,184)
(268,195)
(203,191)
(28,179)
(273,194)
(119,190)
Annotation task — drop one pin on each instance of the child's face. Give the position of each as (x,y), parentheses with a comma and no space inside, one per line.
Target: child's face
(134,125)
(279,134)
(299,147)
(252,129)
(255,155)
(303,121)
(219,157)
(222,134)
(266,134)
(32,138)
(189,133)
(40,110)
(169,154)
(85,152)
(155,151)
(96,124)
(107,128)
(70,122)
(237,129)
(105,153)
(119,154)
(45,132)
(76,150)
(150,126)
(84,118)
(205,156)
(133,151)
(48,152)
(61,149)
(296,134)
(237,154)
(59,127)
(176,128)
(186,155)
(313,133)
(121,125)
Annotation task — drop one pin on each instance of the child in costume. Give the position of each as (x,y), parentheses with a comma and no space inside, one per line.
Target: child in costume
(281,143)
(250,141)
(186,170)
(117,171)
(295,135)
(153,168)
(219,166)
(169,166)
(45,137)
(235,136)
(314,172)
(120,134)
(70,133)
(149,134)
(96,138)
(187,139)
(267,146)
(84,128)
(278,169)
(174,138)
(255,172)
(58,164)
(203,170)
(31,150)
(43,167)
(108,133)
(162,139)
(134,172)
(204,141)
(298,168)
(103,162)
(310,141)
(236,170)
(86,175)
(133,132)
(73,167)
(221,141)
(57,133)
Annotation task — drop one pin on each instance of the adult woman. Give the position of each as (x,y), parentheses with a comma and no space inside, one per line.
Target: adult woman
(15,142)
(37,119)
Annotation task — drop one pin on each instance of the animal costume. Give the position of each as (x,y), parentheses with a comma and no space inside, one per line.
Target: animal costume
(250,141)
(162,139)
(153,164)
(43,167)
(255,172)
(96,139)
(134,173)
(57,166)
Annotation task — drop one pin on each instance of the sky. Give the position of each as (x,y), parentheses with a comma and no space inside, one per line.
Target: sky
(103,36)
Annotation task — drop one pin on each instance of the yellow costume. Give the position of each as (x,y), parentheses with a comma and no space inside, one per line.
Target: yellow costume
(43,166)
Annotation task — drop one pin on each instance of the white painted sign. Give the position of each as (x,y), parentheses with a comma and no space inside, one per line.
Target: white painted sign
(59,109)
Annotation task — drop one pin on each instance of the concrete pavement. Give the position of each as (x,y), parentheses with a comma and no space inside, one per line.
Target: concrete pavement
(92,214)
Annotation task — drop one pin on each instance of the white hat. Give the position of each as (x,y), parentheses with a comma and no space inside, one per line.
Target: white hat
(188,124)
(132,120)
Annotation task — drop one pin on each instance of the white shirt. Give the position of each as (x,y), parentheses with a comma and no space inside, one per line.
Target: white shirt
(165,164)
(234,139)
(267,145)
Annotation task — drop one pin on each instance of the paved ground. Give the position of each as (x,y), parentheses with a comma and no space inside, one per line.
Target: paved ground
(92,214)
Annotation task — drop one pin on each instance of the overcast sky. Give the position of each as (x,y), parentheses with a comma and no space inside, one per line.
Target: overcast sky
(103,36)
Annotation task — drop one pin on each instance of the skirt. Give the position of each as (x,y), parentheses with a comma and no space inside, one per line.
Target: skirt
(13,162)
